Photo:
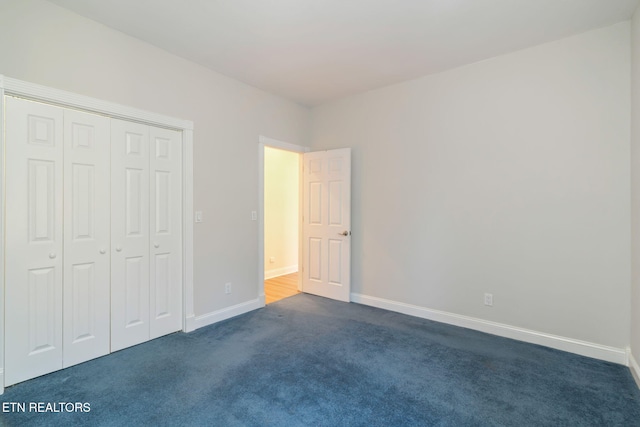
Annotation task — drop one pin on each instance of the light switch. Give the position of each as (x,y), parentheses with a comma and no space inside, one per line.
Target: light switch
(198,216)
(254,216)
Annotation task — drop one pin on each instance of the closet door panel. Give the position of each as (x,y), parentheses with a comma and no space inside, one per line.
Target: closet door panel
(129,234)
(34,239)
(87,237)
(166,232)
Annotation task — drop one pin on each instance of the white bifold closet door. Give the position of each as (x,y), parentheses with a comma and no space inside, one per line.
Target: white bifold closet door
(57,236)
(93,241)
(165,204)
(146,230)
(86,289)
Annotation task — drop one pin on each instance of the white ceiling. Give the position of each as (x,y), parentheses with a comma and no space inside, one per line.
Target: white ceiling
(315,51)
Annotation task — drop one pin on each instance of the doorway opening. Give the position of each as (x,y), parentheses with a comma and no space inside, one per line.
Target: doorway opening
(280,219)
(281,203)
(324,237)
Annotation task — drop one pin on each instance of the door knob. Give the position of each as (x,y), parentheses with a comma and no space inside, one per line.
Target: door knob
(344,233)
(103,251)
(118,249)
(156,245)
(52,255)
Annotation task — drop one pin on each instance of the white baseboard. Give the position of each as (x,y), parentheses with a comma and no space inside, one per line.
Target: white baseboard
(270,274)
(190,324)
(634,368)
(226,313)
(584,348)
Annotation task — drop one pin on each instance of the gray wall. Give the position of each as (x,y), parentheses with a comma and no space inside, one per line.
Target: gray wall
(43,43)
(509,176)
(635,186)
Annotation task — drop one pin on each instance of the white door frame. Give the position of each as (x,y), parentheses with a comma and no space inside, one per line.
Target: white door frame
(10,86)
(274,143)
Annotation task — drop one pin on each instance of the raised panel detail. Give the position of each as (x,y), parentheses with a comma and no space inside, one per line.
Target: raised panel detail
(42,308)
(315,166)
(83,289)
(41,201)
(41,131)
(335,165)
(133,291)
(335,262)
(315,203)
(134,144)
(315,259)
(327,223)
(162,285)
(163,147)
(133,200)
(163,197)
(83,201)
(335,203)
(83,136)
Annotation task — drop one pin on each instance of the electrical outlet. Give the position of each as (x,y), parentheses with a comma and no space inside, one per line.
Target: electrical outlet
(272,259)
(488,299)
(227,288)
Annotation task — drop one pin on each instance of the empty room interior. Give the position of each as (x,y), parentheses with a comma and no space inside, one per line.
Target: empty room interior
(449,191)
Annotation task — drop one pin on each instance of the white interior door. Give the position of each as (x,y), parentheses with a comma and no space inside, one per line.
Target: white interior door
(129,234)
(327,223)
(86,292)
(34,239)
(166,232)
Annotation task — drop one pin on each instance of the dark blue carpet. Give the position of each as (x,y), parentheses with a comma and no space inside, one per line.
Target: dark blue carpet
(310,361)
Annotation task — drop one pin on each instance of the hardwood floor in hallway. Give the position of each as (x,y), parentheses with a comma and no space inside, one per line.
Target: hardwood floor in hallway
(281,287)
